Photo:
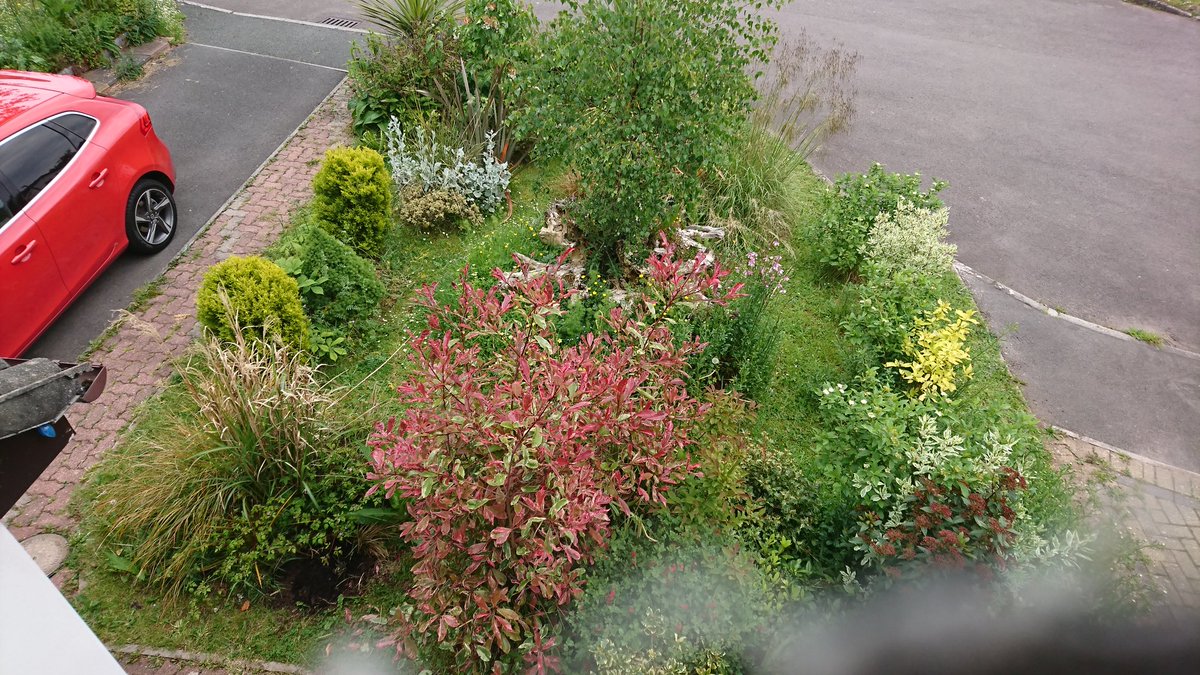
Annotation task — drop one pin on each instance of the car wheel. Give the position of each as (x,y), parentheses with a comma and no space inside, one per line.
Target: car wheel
(150,216)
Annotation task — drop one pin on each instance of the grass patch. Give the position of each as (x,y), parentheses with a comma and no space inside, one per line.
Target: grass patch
(1152,339)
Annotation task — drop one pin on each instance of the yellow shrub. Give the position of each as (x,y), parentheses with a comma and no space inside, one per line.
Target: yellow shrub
(939,354)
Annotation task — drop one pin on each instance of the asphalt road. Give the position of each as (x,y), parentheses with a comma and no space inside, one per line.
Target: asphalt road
(222,103)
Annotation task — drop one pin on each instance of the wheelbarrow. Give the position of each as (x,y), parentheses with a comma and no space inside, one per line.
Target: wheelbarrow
(35,395)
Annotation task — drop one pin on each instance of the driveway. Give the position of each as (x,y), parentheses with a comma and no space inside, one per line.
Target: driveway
(222,102)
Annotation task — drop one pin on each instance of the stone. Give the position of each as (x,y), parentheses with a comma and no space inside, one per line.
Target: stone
(47,550)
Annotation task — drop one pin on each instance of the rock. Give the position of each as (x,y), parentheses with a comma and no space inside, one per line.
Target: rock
(47,550)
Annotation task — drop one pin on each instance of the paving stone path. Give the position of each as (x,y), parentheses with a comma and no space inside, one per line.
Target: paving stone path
(139,354)
(1160,505)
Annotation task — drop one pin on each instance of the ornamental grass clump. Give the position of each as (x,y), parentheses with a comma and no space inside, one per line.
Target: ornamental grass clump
(514,453)
(242,469)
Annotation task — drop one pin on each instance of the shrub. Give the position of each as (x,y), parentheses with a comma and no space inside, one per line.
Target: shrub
(910,240)
(643,99)
(252,297)
(892,458)
(939,353)
(513,450)
(352,198)
(389,79)
(883,314)
(437,210)
(419,159)
(339,289)
(715,499)
(670,606)
(852,206)
(237,472)
(53,35)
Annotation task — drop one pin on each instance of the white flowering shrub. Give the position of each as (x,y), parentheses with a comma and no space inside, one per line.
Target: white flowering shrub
(419,159)
(912,239)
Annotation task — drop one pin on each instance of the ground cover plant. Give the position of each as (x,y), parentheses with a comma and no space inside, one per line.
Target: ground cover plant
(652,471)
(50,35)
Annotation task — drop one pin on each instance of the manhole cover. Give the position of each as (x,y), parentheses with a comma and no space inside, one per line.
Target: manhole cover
(339,22)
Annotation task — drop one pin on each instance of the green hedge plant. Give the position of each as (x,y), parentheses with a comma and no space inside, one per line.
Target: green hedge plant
(851,208)
(255,298)
(338,287)
(352,198)
(643,99)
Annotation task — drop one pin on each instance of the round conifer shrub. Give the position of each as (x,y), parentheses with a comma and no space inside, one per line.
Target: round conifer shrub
(352,198)
(262,300)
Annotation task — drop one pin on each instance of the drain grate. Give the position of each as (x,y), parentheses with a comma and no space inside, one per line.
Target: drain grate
(339,22)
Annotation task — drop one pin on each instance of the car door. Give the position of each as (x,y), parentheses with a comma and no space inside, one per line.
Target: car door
(32,291)
(77,209)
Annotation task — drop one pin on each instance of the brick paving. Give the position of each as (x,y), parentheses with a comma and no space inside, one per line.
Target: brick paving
(1160,505)
(140,352)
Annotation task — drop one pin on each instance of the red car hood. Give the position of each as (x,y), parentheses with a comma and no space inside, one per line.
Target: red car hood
(63,84)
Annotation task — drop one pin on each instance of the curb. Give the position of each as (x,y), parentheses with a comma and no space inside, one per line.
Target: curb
(106,78)
(1163,7)
(1171,478)
(202,658)
(1083,323)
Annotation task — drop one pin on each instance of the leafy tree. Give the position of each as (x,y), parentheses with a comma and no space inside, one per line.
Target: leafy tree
(642,97)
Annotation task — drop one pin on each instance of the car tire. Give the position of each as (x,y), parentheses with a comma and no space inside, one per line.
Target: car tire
(150,216)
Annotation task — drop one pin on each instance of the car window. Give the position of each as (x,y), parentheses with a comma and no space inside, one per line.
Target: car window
(6,212)
(79,125)
(32,159)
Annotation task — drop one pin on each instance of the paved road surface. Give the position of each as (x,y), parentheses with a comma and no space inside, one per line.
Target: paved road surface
(222,103)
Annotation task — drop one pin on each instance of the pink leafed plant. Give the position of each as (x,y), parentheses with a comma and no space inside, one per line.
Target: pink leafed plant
(514,452)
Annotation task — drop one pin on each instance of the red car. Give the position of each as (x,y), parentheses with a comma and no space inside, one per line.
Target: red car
(82,178)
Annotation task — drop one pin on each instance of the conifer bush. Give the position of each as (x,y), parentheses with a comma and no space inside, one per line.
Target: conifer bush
(254,296)
(352,198)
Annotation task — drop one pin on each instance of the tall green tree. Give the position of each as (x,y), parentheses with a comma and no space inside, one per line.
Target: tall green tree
(641,97)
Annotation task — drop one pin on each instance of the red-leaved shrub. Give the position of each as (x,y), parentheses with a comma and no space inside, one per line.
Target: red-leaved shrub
(513,452)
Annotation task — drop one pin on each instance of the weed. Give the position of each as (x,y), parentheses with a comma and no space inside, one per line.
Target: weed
(1153,339)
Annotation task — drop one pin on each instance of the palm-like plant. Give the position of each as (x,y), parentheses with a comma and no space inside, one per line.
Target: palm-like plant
(408,18)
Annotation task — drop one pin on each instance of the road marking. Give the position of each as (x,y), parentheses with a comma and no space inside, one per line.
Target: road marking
(271,18)
(265,56)
(1105,330)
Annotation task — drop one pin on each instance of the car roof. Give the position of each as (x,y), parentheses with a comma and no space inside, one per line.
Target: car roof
(22,92)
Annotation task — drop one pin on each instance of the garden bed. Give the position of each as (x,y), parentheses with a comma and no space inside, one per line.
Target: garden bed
(659,460)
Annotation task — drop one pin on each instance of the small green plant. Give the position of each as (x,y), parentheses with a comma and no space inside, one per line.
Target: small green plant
(252,298)
(340,290)
(393,79)
(437,210)
(1152,339)
(852,206)
(352,198)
